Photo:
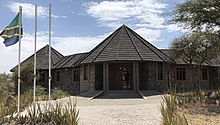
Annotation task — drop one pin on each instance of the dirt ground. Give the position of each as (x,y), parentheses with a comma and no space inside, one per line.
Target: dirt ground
(201,113)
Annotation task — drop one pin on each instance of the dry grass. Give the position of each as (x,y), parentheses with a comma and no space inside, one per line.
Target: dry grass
(201,113)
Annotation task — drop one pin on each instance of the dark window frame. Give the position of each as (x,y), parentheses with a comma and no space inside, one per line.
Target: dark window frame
(160,71)
(58,76)
(86,72)
(205,76)
(76,75)
(181,73)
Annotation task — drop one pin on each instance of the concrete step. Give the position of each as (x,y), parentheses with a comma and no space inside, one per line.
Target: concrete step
(114,94)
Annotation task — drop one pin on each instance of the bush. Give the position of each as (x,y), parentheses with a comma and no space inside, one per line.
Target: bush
(6,84)
(27,76)
(58,93)
(57,115)
(167,109)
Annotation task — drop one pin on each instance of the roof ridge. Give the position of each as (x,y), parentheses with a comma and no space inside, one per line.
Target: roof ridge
(65,58)
(113,34)
(78,60)
(119,41)
(146,44)
(134,44)
(141,39)
(69,59)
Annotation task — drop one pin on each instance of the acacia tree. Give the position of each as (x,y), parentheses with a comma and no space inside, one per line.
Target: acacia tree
(198,14)
(197,47)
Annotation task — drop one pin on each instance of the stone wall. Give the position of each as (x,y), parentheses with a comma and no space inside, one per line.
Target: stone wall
(87,85)
(193,79)
(66,81)
(153,82)
(148,76)
(214,77)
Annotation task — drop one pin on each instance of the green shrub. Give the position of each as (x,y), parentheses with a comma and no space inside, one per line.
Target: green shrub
(58,93)
(40,90)
(57,115)
(27,76)
(167,109)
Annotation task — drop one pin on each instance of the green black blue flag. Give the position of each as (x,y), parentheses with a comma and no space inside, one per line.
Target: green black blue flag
(11,32)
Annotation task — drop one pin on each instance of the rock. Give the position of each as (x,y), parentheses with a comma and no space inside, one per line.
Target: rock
(211,95)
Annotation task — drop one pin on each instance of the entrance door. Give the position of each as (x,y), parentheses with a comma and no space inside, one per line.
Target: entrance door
(120,76)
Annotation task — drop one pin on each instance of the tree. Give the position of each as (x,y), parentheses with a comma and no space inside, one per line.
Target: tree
(6,84)
(198,14)
(198,47)
(27,75)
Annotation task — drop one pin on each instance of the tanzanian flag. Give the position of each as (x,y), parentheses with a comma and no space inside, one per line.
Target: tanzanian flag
(11,32)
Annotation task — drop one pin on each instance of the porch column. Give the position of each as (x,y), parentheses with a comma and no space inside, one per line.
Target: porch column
(105,76)
(135,76)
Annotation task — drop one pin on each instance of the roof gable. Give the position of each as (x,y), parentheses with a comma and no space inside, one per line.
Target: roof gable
(42,56)
(123,45)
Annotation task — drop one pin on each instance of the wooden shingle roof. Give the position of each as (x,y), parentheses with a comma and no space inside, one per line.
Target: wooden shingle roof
(70,61)
(125,45)
(42,56)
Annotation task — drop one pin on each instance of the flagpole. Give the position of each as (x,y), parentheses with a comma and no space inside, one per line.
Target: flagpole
(35,58)
(49,52)
(19,56)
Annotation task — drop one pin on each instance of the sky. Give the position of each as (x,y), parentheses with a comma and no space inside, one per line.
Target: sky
(80,25)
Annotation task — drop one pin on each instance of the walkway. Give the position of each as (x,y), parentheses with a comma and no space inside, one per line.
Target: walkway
(128,111)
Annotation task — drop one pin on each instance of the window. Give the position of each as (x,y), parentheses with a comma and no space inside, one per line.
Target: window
(58,76)
(204,74)
(181,73)
(86,72)
(159,71)
(76,75)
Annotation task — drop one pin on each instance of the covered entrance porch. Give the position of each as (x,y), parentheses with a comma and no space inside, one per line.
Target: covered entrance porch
(117,76)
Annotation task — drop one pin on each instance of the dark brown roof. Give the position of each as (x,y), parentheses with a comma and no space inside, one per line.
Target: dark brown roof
(179,60)
(70,61)
(125,45)
(42,56)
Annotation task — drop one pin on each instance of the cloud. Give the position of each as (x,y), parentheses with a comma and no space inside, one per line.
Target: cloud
(141,12)
(65,45)
(28,10)
(144,16)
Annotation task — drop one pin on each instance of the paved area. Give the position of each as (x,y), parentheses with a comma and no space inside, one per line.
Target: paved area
(129,111)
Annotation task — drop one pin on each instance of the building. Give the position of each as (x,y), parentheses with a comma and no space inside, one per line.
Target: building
(124,60)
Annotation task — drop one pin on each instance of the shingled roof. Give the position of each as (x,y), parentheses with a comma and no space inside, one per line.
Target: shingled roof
(42,56)
(125,45)
(70,61)
(179,60)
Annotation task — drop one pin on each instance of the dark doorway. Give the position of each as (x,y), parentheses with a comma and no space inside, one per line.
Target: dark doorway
(143,76)
(99,77)
(120,76)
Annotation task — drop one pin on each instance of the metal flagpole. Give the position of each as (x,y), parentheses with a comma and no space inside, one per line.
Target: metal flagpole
(35,44)
(49,51)
(19,56)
